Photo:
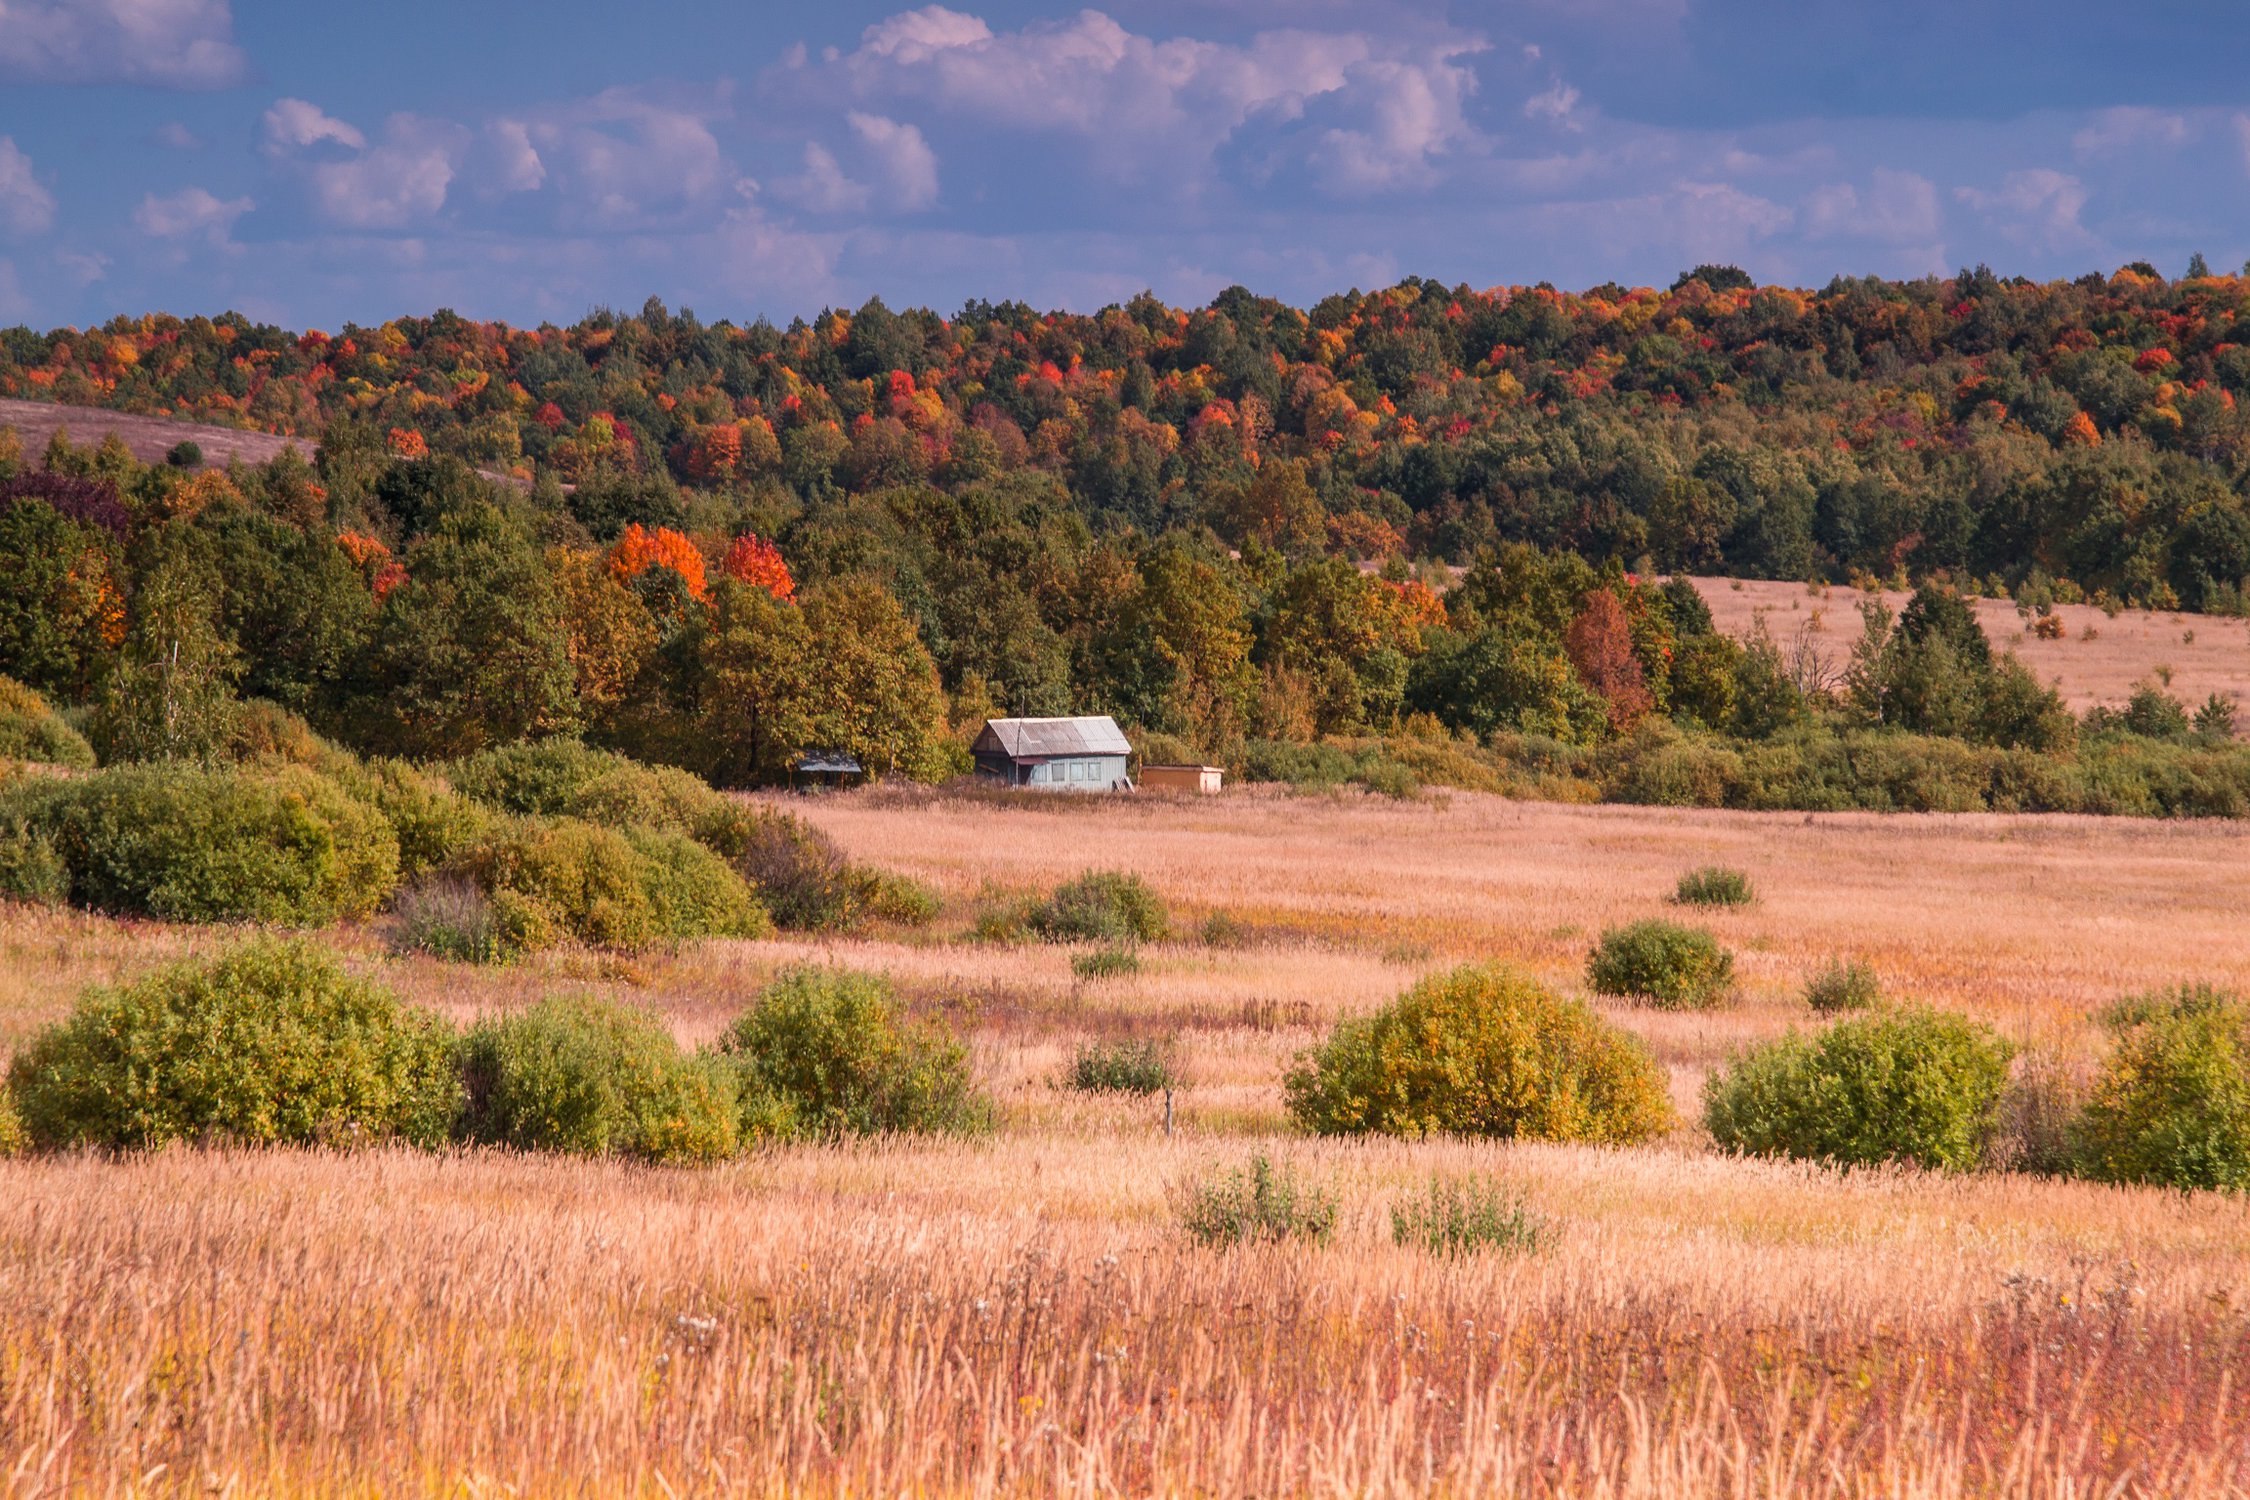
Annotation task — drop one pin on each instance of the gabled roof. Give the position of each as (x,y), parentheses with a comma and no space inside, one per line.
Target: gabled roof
(1039,739)
(828,763)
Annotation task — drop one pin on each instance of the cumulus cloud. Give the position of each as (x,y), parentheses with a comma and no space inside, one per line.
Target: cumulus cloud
(824,187)
(394,185)
(1895,208)
(26,207)
(189,213)
(294,124)
(1150,109)
(186,44)
(2130,128)
(2038,208)
(906,158)
(509,162)
(1557,105)
(620,160)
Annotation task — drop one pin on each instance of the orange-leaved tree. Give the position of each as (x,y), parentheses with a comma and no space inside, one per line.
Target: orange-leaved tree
(1600,645)
(753,560)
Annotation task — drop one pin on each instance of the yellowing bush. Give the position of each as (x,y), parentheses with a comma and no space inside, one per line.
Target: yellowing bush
(1484,1050)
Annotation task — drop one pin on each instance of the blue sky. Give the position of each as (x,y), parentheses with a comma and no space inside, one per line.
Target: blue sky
(311,163)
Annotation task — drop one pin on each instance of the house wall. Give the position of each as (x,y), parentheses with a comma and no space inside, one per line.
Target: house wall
(1082,773)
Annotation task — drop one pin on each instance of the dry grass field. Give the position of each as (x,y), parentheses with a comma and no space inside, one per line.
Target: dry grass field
(2098,659)
(1021,1316)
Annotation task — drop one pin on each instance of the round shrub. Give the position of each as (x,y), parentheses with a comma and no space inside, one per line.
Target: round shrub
(434,824)
(1662,963)
(824,1052)
(1919,1086)
(593,1078)
(193,844)
(1102,906)
(1714,886)
(13,1139)
(272,1043)
(2172,1104)
(692,892)
(1844,985)
(1484,1050)
(1129,1065)
(31,868)
(30,729)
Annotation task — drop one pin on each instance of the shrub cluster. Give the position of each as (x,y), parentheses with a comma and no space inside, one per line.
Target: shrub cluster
(594,1078)
(1714,886)
(2172,1105)
(1481,1051)
(798,874)
(1919,1086)
(1260,1202)
(273,1043)
(31,730)
(1663,964)
(1130,1065)
(270,1044)
(825,1052)
(1101,906)
(1465,1216)
(1845,984)
(190,843)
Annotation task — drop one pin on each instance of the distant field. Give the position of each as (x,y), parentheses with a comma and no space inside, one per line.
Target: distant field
(2098,660)
(147,438)
(1019,1317)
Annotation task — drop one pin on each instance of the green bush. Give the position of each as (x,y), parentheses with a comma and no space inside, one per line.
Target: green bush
(594,1078)
(1484,1050)
(272,1043)
(31,730)
(1662,963)
(1465,1215)
(1844,985)
(435,825)
(1101,906)
(825,1053)
(692,892)
(1128,1066)
(563,778)
(31,868)
(193,844)
(14,1141)
(1714,886)
(550,879)
(1919,1086)
(2172,1104)
(1260,1202)
(883,896)
(1105,963)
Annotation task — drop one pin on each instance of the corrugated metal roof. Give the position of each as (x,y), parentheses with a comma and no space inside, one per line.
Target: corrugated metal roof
(1036,739)
(828,763)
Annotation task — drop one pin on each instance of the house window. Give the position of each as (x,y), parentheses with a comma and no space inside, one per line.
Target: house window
(1038,773)
(1077,770)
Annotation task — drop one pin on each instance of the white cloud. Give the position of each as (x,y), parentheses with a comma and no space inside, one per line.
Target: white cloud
(188,213)
(620,160)
(2038,208)
(509,162)
(176,136)
(1897,208)
(84,267)
(26,207)
(823,187)
(164,43)
(906,158)
(1557,105)
(293,124)
(397,184)
(2129,127)
(1413,114)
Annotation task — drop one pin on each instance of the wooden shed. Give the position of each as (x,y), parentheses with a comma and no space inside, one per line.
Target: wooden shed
(1055,755)
(1182,778)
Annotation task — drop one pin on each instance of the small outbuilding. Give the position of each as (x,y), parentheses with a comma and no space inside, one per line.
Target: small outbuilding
(827,768)
(1055,755)
(1203,779)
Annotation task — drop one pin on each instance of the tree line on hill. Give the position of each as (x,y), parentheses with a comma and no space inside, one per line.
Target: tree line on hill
(1254,600)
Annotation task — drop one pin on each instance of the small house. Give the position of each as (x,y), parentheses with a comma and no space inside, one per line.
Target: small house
(1055,755)
(1203,779)
(826,768)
